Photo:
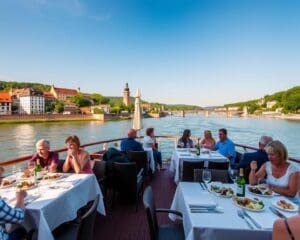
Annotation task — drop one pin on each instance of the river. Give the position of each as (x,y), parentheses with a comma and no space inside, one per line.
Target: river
(19,139)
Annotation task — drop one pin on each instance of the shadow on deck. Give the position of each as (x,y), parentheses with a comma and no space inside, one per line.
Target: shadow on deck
(123,223)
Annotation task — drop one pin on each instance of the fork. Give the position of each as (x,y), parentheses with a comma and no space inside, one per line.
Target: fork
(241,215)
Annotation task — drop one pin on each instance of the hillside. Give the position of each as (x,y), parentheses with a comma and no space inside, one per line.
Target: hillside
(288,100)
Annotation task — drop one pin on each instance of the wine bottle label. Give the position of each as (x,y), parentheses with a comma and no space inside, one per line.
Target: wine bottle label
(240,190)
(39,175)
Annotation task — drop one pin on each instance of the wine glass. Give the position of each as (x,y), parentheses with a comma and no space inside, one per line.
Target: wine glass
(262,185)
(233,174)
(206,176)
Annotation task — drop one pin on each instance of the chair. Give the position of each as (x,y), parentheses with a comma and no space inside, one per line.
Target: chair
(60,165)
(218,165)
(127,181)
(157,232)
(188,170)
(99,171)
(217,175)
(84,230)
(141,160)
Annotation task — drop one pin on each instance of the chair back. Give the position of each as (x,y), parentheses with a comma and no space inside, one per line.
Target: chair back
(60,165)
(141,160)
(218,165)
(217,175)
(99,169)
(86,230)
(149,205)
(188,169)
(238,157)
(125,178)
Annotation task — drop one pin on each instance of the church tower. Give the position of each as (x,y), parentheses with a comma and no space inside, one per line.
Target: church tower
(126,95)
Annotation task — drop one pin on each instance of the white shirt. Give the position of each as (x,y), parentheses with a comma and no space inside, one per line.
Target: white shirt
(148,142)
(281,181)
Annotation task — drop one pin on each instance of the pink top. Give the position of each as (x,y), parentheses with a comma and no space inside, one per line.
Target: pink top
(87,168)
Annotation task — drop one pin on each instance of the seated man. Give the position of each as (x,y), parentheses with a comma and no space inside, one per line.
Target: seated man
(13,216)
(129,144)
(225,146)
(47,158)
(260,156)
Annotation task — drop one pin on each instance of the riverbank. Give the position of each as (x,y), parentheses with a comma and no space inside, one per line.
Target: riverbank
(41,118)
(293,117)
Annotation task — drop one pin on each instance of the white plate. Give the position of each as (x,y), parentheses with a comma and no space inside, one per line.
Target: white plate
(247,208)
(259,195)
(219,185)
(59,176)
(295,209)
(8,185)
(26,188)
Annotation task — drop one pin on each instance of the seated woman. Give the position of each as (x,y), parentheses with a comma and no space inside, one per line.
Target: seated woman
(208,141)
(150,142)
(282,176)
(185,141)
(77,159)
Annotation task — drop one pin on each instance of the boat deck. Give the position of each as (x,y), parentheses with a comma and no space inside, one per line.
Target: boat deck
(123,223)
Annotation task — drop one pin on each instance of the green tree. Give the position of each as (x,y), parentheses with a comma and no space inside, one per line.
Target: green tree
(59,107)
(98,111)
(80,100)
(99,99)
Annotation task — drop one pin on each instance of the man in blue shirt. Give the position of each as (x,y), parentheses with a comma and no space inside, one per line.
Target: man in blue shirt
(225,146)
(129,144)
(260,156)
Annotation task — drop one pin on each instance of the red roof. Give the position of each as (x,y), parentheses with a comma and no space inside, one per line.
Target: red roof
(48,95)
(5,97)
(65,91)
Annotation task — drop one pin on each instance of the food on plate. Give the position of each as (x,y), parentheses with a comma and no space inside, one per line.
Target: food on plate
(52,176)
(249,203)
(285,205)
(223,191)
(215,188)
(226,192)
(7,182)
(261,190)
(24,185)
(27,174)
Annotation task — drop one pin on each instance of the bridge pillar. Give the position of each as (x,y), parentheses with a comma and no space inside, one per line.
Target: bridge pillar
(182,113)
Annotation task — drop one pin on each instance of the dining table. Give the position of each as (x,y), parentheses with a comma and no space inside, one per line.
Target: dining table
(189,154)
(49,203)
(209,216)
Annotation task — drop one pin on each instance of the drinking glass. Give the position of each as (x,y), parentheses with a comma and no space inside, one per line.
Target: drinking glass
(233,174)
(206,176)
(262,185)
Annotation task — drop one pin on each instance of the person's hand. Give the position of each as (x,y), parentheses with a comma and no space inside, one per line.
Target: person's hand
(20,195)
(71,153)
(253,165)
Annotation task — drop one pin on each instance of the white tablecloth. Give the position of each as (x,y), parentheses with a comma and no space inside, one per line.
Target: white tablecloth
(150,158)
(57,205)
(181,154)
(226,225)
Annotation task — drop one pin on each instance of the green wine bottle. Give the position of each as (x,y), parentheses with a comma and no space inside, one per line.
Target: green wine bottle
(240,184)
(38,173)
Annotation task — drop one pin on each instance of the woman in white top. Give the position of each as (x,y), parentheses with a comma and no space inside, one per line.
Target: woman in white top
(150,142)
(282,176)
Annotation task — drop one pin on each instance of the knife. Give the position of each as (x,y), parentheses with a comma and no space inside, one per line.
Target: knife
(251,219)
(276,212)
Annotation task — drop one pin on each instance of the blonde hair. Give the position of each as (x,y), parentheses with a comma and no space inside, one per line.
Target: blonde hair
(208,132)
(278,148)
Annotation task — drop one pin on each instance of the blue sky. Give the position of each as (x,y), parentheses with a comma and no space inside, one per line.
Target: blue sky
(202,52)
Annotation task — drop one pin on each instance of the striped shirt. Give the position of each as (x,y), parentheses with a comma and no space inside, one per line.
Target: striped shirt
(9,215)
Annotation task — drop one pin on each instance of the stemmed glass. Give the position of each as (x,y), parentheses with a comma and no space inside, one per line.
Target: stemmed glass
(206,176)
(262,185)
(233,174)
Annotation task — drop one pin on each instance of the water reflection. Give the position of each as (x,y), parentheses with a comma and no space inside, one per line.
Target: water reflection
(19,139)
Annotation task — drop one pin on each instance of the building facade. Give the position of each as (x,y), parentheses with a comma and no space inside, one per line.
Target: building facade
(126,95)
(5,103)
(62,94)
(32,102)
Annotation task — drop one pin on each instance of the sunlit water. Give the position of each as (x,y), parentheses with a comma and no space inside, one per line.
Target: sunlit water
(19,139)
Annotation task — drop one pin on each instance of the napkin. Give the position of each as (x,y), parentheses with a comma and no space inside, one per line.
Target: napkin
(205,201)
(185,155)
(264,219)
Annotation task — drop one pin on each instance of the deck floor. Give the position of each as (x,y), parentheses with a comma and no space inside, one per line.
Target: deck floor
(123,223)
